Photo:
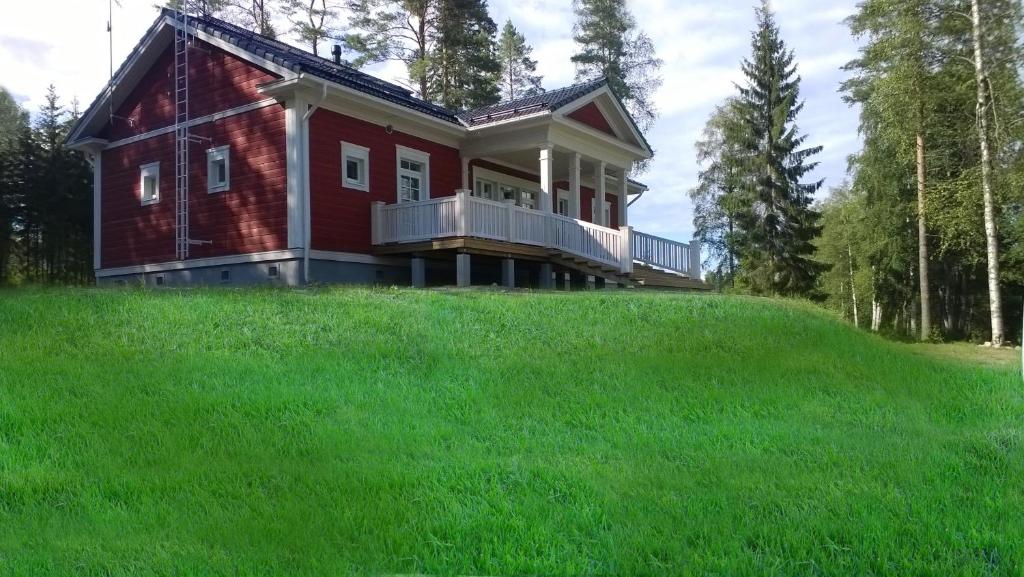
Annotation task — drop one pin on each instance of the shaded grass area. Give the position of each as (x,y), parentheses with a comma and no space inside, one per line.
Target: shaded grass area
(1007,357)
(354,431)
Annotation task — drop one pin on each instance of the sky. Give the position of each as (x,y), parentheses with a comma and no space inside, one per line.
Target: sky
(701,42)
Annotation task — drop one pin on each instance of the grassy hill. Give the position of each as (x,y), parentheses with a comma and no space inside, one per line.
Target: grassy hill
(350,431)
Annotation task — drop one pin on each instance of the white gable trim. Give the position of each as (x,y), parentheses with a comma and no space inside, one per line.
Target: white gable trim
(165,26)
(582,101)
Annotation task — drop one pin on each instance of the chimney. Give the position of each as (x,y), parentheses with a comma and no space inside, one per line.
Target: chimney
(336,51)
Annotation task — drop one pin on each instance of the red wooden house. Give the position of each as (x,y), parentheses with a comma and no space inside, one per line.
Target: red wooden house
(222,156)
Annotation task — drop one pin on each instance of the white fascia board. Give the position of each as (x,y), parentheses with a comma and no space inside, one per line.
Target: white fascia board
(575,132)
(103,103)
(427,120)
(147,45)
(582,101)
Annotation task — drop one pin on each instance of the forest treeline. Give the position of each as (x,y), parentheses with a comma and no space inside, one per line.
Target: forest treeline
(924,238)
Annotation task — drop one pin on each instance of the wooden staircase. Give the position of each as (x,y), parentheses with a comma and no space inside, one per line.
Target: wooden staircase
(644,276)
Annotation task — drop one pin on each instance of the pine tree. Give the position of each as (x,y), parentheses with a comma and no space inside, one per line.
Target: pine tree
(464,67)
(776,219)
(610,46)
(518,71)
(313,21)
(402,30)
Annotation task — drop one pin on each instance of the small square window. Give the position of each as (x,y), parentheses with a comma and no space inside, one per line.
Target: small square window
(160,280)
(149,183)
(273,271)
(218,169)
(355,166)
(225,275)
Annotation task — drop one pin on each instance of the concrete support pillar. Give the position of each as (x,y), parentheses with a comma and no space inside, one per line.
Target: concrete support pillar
(462,277)
(623,196)
(547,185)
(574,186)
(546,274)
(419,272)
(695,259)
(566,281)
(508,273)
(591,282)
(599,193)
(577,280)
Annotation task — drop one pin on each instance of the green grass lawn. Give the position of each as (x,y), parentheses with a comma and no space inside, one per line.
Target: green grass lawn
(345,431)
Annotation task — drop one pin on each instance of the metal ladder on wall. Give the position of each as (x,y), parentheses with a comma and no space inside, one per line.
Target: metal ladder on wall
(183,40)
(181,133)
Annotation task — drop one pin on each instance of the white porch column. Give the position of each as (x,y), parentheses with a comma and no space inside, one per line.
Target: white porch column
(623,196)
(599,193)
(574,186)
(465,173)
(547,185)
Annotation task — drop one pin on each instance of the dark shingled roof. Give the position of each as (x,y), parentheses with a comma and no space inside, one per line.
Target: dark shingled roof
(548,101)
(301,61)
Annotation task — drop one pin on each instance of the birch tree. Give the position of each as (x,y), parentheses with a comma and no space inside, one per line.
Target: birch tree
(983,113)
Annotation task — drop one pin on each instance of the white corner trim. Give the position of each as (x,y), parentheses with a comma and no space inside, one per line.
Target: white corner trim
(201,262)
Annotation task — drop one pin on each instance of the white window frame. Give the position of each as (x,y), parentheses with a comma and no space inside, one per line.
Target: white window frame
(149,170)
(212,156)
(523,187)
(561,195)
(480,183)
(412,155)
(359,153)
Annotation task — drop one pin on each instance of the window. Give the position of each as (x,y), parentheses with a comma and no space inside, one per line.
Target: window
(225,275)
(413,175)
(355,166)
(509,192)
(218,169)
(563,203)
(149,183)
(484,189)
(527,199)
(160,280)
(273,271)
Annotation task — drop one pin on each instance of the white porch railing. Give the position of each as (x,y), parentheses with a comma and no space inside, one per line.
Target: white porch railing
(465,215)
(667,254)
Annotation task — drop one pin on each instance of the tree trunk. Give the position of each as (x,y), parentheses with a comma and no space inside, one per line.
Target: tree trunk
(991,236)
(922,244)
(853,286)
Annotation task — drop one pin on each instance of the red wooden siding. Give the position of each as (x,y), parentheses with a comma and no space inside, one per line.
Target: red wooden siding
(217,81)
(249,217)
(341,216)
(592,117)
